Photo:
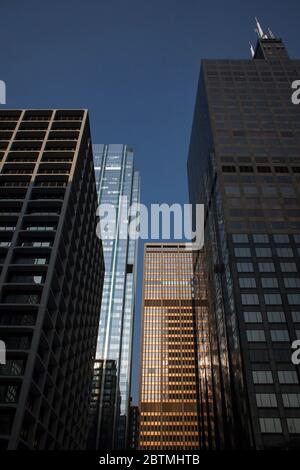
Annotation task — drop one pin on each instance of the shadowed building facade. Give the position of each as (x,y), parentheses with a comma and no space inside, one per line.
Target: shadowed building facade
(169,389)
(244,165)
(52,273)
(134,426)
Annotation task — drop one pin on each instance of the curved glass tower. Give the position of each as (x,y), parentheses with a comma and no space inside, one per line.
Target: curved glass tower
(118,184)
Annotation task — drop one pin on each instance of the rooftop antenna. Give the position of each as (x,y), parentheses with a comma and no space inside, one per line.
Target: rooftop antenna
(271,34)
(251,49)
(259,30)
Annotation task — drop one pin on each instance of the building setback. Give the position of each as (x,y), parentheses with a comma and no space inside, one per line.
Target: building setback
(52,273)
(244,165)
(169,387)
(118,185)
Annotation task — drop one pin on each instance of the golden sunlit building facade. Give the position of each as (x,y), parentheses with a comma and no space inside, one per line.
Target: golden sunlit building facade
(169,394)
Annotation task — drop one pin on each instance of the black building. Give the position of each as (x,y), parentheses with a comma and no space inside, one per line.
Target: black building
(134,427)
(51,278)
(244,165)
(104,382)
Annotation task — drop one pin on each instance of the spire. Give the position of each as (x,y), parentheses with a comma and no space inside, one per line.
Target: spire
(251,49)
(259,30)
(271,34)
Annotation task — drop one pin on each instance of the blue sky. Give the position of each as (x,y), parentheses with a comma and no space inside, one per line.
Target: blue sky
(134,64)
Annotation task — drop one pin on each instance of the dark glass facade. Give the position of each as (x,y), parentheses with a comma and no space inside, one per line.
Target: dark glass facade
(244,165)
(52,273)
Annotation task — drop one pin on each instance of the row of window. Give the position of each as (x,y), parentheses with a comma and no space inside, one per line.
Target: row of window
(269,282)
(259,169)
(273,317)
(263,252)
(264,238)
(269,400)
(270,299)
(266,377)
(267,190)
(266,267)
(274,426)
(259,336)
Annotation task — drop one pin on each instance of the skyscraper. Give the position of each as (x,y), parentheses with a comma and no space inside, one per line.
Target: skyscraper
(244,165)
(169,407)
(51,280)
(118,185)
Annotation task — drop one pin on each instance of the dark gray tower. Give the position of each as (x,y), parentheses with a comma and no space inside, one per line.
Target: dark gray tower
(244,165)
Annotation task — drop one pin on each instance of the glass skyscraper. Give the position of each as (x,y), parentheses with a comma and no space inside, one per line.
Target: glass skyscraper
(244,165)
(116,180)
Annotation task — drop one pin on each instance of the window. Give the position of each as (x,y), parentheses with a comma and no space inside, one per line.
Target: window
(240,238)
(292,282)
(293,425)
(23,278)
(264,169)
(296,317)
(242,252)
(262,377)
(246,169)
(272,299)
(256,336)
(294,299)
(37,244)
(270,425)
(297,238)
(266,267)
(285,252)
(250,299)
(41,228)
(9,393)
(281,169)
(287,377)
(228,169)
(276,317)
(252,317)
(250,190)
(269,191)
(261,238)
(30,260)
(269,282)
(266,400)
(245,267)
(263,252)
(14,298)
(12,367)
(7,228)
(4,244)
(291,400)
(278,336)
(279,238)
(288,267)
(247,283)
(232,190)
